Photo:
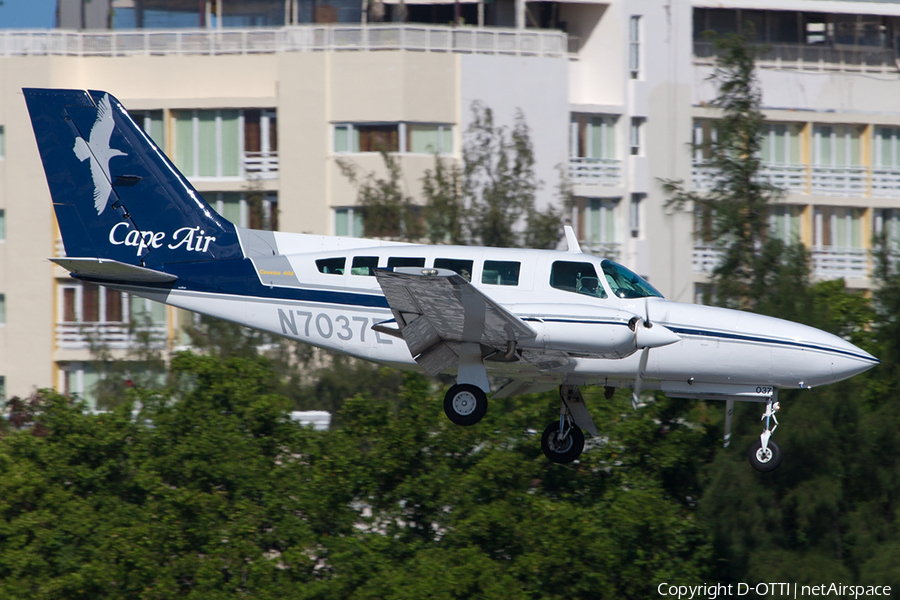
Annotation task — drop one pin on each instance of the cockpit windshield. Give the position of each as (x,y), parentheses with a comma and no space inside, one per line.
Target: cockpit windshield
(626,284)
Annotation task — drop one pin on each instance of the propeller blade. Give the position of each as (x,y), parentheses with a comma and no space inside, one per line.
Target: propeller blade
(639,379)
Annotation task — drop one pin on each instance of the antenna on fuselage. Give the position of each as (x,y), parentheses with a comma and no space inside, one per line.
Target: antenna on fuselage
(572,240)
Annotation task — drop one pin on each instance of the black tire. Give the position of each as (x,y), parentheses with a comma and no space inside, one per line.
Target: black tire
(765,462)
(465,404)
(568,450)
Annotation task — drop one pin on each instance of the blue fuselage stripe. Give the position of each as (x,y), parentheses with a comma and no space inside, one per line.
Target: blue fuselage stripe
(233,281)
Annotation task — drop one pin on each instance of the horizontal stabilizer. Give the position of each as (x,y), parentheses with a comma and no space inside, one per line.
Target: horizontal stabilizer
(105,269)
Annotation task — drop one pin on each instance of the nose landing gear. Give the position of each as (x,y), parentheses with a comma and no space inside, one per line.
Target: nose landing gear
(765,454)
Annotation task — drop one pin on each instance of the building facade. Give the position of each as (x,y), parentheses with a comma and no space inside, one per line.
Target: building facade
(256,102)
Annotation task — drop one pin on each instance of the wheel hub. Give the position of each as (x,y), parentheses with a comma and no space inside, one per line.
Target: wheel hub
(464,403)
(763,455)
(558,444)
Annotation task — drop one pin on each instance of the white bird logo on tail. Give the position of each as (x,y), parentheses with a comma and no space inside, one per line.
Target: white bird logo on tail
(99,153)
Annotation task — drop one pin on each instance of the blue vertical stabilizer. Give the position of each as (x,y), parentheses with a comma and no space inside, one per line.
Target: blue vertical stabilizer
(115,194)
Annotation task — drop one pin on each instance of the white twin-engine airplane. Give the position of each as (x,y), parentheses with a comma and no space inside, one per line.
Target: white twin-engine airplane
(531,320)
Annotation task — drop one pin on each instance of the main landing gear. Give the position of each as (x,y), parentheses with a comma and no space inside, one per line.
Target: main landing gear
(765,453)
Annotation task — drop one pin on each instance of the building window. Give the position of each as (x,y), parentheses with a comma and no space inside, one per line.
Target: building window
(429,139)
(781,143)
(260,152)
(837,145)
(2,309)
(634,46)
(254,210)
(2,225)
(838,227)
(706,133)
(634,214)
(2,142)
(151,121)
(207,143)
(887,153)
(2,388)
(90,303)
(419,138)
(593,136)
(348,222)
(600,221)
(785,223)
(887,223)
(637,126)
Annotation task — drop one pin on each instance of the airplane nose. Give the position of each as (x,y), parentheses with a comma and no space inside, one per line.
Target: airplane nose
(823,357)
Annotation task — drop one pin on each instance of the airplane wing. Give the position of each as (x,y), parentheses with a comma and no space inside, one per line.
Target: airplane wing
(437,309)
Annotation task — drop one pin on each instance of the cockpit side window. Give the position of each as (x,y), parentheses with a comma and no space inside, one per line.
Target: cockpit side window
(627,284)
(578,277)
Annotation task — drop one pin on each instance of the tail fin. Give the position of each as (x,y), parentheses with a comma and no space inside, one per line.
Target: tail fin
(115,194)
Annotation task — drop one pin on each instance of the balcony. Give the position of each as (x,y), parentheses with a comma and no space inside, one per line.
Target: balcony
(260,165)
(831,262)
(846,182)
(818,57)
(602,249)
(706,257)
(296,38)
(115,336)
(839,181)
(595,171)
(827,262)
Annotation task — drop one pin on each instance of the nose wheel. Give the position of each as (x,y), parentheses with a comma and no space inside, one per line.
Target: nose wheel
(765,454)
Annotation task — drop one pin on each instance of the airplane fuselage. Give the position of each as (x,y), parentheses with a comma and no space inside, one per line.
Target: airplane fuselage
(585,337)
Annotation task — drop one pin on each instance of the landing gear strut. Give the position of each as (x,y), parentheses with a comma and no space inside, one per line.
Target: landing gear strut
(765,454)
(563,440)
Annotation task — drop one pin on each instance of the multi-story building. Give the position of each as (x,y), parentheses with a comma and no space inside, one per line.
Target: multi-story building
(256,101)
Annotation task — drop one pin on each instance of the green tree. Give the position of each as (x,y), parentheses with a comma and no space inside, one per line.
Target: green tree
(388,212)
(500,186)
(736,208)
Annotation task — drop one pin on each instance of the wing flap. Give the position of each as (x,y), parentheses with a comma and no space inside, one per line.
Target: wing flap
(437,309)
(113,271)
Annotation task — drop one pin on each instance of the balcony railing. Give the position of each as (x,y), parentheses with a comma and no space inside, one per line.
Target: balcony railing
(819,57)
(297,38)
(602,249)
(885,182)
(848,182)
(596,171)
(832,262)
(117,336)
(838,181)
(263,165)
(827,261)
(706,257)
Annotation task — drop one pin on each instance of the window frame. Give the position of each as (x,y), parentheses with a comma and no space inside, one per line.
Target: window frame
(403,133)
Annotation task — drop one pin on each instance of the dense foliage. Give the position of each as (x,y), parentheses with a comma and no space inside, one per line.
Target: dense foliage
(218,494)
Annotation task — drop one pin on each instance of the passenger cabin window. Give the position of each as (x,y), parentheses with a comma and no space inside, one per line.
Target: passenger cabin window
(459,266)
(500,272)
(404,261)
(364,265)
(578,277)
(627,284)
(331,266)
